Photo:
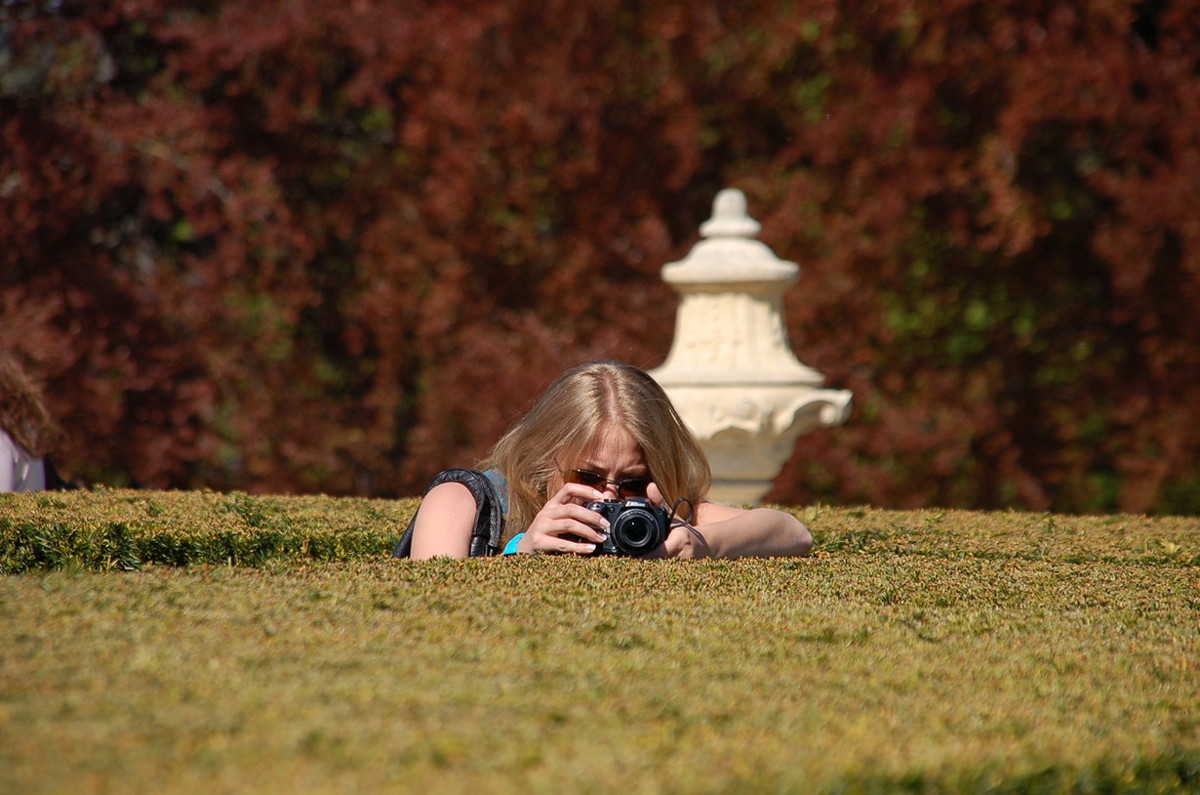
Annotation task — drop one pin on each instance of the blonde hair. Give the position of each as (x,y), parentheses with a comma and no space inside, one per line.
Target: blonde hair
(569,418)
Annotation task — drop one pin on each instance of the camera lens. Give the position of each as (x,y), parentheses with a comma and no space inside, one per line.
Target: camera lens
(636,532)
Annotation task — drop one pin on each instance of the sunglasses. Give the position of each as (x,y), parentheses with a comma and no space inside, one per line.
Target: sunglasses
(629,487)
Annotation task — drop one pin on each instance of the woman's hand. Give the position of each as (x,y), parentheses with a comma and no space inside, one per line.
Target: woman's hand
(564,516)
(683,540)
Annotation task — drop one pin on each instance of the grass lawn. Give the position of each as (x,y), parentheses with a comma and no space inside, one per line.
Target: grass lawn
(916,651)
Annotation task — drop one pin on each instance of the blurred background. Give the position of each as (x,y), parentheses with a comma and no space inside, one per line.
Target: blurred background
(297,246)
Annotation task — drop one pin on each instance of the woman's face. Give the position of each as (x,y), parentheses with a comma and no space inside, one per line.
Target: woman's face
(614,456)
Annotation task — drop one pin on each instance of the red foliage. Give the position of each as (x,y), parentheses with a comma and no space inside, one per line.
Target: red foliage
(298,246)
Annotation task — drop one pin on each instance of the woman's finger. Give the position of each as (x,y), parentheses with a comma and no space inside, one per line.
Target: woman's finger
(556,544)
(566,536)
(576,493)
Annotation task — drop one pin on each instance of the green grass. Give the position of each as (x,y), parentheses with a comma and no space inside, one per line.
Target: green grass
(126,530)
(916,651)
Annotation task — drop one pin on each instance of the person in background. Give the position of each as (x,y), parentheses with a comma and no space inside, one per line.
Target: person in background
(27,432)
(604,430)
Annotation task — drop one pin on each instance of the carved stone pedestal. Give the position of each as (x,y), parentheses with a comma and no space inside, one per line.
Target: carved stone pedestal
(731,372)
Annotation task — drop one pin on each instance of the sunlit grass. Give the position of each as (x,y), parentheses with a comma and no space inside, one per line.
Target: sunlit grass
(923,651)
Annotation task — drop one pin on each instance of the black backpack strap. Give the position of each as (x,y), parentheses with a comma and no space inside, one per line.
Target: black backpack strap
(489,513)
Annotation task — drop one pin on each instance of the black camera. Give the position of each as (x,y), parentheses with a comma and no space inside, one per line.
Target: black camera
(635,526)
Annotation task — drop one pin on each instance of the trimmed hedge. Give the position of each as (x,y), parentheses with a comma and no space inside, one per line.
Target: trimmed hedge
(927,651)
(126,530)
(1011,535)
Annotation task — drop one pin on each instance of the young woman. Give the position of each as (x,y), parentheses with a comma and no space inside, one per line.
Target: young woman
(602,430)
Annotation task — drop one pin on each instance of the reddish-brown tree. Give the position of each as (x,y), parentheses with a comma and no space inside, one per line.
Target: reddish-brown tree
(295,246)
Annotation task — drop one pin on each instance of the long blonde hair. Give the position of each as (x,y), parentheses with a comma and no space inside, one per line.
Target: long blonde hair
(568,418)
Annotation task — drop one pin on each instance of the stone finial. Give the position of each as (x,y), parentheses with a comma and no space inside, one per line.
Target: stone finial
(729,253)
(730,217)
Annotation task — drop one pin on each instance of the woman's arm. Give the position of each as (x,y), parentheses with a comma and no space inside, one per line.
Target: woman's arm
(447,516)
(444,523)
(722,531)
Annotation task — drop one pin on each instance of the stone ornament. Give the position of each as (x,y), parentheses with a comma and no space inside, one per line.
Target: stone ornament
(730,371)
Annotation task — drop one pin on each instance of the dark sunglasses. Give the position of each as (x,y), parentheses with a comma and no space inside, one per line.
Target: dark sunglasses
(629,487)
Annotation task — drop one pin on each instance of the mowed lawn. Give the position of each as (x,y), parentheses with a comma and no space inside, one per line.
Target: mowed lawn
(916,651)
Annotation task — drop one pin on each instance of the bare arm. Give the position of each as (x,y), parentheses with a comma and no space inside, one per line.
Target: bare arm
(722,531)
(444,523)
(447,516)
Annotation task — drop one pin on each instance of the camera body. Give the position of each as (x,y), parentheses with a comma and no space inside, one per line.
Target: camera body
(635,526)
